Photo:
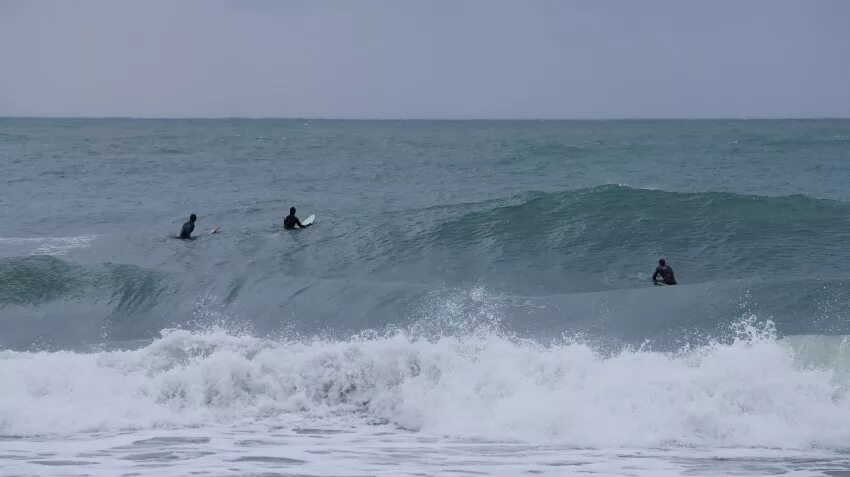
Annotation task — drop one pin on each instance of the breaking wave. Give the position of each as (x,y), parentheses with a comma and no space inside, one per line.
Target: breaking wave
(756,391)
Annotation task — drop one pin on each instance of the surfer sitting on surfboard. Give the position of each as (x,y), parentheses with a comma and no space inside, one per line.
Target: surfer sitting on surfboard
(188,227)
(665,273)
(291,221)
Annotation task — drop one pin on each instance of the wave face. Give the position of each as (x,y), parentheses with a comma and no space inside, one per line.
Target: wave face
(483,386)
(546,263)
(607,234)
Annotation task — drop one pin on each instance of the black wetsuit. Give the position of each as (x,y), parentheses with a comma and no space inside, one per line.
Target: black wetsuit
(666,274)
(291,221)
(186,231)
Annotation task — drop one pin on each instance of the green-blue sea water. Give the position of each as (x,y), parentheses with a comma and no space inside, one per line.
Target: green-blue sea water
(478,292)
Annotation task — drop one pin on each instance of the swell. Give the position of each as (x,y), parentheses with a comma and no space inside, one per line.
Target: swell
(551,263)
(611,221)
(611,236)
(30,281)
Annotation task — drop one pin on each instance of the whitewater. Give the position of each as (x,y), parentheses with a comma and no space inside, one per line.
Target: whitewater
(485,400)
(475,299)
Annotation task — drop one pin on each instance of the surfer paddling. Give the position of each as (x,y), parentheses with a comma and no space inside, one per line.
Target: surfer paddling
(664,273)
(291,221)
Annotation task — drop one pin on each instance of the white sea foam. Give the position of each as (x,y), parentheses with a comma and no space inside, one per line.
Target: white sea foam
(751,393)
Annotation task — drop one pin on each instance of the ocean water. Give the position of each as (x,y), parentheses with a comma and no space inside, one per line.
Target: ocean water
(475,298)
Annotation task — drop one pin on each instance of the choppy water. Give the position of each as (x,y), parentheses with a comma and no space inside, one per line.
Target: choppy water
(474,298)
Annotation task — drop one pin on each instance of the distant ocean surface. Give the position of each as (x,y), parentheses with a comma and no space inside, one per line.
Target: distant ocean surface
(474,298)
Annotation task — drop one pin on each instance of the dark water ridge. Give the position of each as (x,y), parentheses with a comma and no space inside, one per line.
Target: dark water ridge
(540,263)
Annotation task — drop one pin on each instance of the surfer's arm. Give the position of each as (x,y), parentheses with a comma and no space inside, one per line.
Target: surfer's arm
(300,225)
(655,275)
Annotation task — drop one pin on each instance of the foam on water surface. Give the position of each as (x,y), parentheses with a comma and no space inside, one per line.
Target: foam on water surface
(755,392)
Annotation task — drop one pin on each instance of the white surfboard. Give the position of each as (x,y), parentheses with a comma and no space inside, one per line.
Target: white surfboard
(215,229)
(309,220)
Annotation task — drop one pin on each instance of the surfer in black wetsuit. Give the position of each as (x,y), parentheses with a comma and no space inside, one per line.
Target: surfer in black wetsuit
(188,227)
(291,221)
(665,273)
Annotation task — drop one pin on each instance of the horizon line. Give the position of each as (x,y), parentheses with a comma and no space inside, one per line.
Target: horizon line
(329,118)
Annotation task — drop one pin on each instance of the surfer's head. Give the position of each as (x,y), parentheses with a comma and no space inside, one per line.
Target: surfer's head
(292,211)
(193,218)
(662,262)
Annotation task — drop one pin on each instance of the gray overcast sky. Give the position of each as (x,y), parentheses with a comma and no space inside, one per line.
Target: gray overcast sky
(426,59)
